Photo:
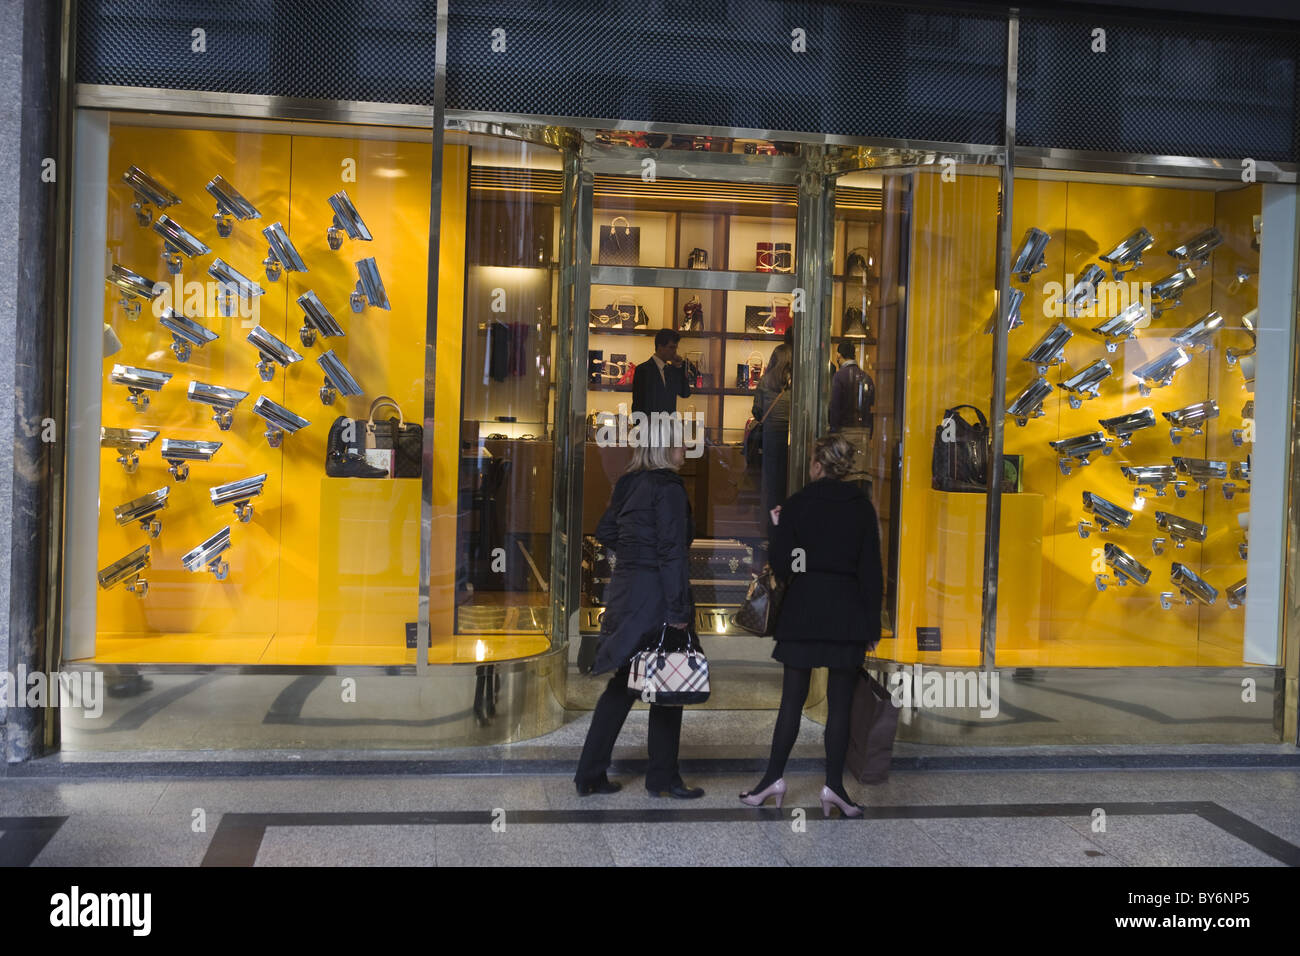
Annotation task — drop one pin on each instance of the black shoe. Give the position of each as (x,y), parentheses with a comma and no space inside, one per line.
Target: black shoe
(678,790)
(603,785)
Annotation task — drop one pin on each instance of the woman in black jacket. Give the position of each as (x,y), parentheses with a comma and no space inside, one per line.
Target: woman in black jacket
(825,546)
(648,529)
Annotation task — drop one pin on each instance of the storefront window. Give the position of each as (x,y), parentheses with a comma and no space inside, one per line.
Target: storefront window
(247,390)
(1136,401)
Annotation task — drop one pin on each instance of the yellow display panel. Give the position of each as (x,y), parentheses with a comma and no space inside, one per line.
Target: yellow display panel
(948,361)
(326,572)
(1124,626)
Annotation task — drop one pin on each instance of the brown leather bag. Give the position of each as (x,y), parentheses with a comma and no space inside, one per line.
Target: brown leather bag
(873,722)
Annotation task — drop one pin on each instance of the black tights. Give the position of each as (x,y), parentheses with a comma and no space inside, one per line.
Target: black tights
(839,699)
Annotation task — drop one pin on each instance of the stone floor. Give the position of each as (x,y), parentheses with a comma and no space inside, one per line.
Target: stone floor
(515,806)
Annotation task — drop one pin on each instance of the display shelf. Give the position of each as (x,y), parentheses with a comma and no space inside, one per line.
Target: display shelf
(720,280)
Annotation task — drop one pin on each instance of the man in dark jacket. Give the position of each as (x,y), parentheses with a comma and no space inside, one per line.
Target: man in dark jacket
(657,383)
(852,393)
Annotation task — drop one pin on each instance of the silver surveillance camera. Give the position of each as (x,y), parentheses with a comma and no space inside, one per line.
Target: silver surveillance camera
(346,220)
(231,205)
(223,400)
(338,380)
(148,192)
(272,352)
(137,382)
(278,420)
(370,288)
(178,452)
(240,494)
(316,319)
(144,510)
(128,571)
(281,253)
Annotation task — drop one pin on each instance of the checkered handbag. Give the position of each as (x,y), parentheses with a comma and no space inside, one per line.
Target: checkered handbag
(670,677)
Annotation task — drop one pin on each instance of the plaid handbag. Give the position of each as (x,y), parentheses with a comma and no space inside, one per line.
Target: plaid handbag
(670,677)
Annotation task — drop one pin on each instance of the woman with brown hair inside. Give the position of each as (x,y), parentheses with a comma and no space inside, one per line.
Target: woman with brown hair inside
(825,547)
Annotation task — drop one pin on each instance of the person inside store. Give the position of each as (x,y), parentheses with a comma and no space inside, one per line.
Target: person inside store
(772,409)
(648,529)
(830,615)
(658,383)
(852,392)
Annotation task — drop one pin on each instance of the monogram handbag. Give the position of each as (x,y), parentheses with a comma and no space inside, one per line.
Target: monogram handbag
(762,603)
(961,462)
(621,313)
(392,448)
(620,245)
(855,326)
(663,674)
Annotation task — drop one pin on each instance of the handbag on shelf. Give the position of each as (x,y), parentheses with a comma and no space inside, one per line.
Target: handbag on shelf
(621,313)
(772,320)
(962,462)
(392,448)
(692,315)
(662,674)
(762,604)
(855,325)
(698,259)
(620,245)
(859,263)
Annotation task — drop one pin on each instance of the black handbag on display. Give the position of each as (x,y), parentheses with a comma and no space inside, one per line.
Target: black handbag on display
(620,245)
(961,452)
(390,449)
(692,315)
(855,326)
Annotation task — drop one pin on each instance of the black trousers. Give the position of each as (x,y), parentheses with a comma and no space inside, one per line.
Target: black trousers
(606,722)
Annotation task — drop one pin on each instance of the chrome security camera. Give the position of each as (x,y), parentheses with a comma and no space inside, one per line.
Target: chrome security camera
(1050,350)
(187,334)
(144,510)
(281,253)
(1032,255)
(240,494)
(1123,566)
(223,400)
(272,351)
(1029,403)
(316,319)
(178,240)
(1159,372)
(278,420)
(148,192)
(1123,426)
(1192,417)
(1127,256)
(232,283)
(128,442)
(1155,477)
(1079,448)
(1086,383)
(338,380)
(1190,585)
(128,571)
(177,452)
(207,556)
(1199,336)
(1180,529)
(1084,291)
(346,220)
(370,288)
(1168,292)
(1014,297)
(231,205)
(1122,326)
(137,382)
(1196,251)
(1202,470)
(135,289)
(1107,513)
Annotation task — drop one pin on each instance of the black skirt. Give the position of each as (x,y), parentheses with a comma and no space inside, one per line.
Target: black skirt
(808,654)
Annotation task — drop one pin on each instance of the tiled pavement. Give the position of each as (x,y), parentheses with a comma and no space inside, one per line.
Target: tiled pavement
(518,807)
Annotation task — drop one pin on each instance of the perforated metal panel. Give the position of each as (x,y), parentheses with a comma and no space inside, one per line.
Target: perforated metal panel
(373,51)
(868,69)
(1161,87)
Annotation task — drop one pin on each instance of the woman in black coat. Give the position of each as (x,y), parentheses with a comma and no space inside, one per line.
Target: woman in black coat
(825,547)
(648,530)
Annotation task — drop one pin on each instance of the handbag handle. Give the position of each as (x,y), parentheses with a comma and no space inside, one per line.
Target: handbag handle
(380,402)
(616,220)
(978,414)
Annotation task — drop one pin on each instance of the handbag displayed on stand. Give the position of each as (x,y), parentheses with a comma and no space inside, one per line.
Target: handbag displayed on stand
(391,448)
(692,315)
(661,674)
(961,452)
(698,259)
(873,724)
(622,312)
(620,245)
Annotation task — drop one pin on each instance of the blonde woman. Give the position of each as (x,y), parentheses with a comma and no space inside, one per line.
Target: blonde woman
(648,529)
(830,616)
